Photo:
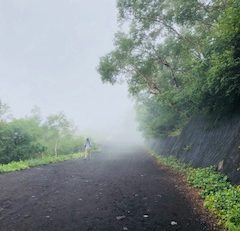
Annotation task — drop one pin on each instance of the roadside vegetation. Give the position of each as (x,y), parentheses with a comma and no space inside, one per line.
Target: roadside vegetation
(219,195)
(32,141)
(179,58)
(47,159)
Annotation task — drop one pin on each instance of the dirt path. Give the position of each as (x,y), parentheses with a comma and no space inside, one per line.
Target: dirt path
(110,192)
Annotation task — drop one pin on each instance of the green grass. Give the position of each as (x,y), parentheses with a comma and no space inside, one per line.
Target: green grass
(25,164)
(219,195)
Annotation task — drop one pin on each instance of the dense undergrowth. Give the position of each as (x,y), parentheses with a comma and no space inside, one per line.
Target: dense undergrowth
(25,164)
(220,196)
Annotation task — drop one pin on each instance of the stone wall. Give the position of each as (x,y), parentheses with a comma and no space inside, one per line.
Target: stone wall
(207,141)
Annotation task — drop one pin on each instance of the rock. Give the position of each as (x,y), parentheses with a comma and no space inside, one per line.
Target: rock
(120,217)
(173,223)
(220,165)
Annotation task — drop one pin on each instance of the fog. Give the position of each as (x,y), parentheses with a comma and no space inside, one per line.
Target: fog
(49,51)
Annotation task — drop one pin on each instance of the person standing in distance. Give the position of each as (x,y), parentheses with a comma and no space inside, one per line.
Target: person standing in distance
(87,147)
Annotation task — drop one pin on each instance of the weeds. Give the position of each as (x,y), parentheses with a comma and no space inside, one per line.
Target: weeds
(220,197)
(20,165)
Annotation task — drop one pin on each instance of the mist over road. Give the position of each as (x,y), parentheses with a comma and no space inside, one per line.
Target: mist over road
(120,188)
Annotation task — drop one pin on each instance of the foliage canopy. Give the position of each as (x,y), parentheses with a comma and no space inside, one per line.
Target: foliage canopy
(31,137)
(178,58)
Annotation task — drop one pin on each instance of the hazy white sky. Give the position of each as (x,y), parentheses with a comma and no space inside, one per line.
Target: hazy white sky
(49,50)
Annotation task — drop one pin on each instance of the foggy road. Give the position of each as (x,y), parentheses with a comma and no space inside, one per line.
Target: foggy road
(115,190)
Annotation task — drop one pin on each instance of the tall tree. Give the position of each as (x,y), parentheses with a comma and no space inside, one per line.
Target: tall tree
(179,54)
(57,127)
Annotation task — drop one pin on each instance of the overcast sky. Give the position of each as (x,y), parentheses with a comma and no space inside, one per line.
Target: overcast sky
(49,51)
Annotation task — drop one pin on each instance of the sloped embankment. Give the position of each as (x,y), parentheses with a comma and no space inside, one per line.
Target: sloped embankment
(207,141)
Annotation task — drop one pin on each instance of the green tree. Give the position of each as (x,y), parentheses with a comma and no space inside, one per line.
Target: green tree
(221,89)
(19,140)
(4,111)
(31,137)
(181,56)
(57,127)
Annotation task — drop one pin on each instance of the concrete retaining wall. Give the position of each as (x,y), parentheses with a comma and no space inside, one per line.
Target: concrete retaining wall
(207,141)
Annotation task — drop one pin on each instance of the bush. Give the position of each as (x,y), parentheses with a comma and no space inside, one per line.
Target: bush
(18,143)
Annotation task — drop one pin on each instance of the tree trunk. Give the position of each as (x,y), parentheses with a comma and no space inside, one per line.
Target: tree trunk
(56,148)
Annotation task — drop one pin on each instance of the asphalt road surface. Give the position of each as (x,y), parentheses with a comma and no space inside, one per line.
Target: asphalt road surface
(115,190)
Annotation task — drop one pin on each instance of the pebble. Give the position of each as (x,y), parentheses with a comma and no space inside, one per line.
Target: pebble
(173,223)
(120,217)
